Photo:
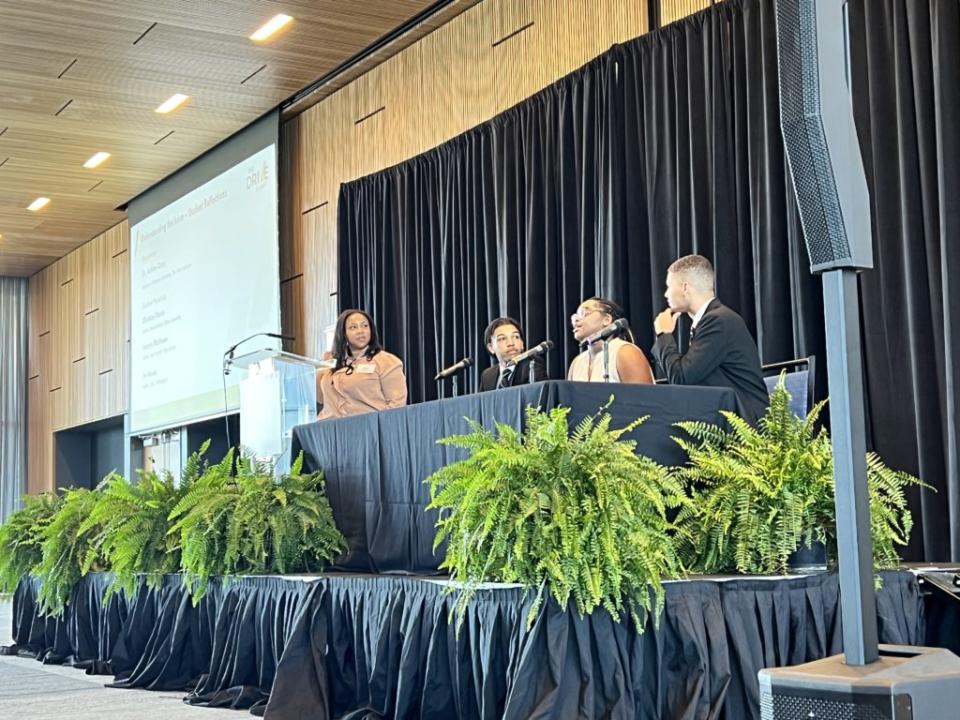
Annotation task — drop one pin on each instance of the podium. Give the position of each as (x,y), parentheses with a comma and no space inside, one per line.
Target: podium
(278,391)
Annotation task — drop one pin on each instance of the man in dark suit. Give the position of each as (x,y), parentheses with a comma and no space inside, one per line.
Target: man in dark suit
(722,352)
(504,340)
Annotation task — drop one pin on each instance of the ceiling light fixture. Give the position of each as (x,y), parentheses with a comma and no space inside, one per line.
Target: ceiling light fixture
(270,27)
(172,103)
(39,203)
(96,160)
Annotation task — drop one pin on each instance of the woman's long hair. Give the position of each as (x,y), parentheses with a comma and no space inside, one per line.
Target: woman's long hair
(341,346)
(616,312)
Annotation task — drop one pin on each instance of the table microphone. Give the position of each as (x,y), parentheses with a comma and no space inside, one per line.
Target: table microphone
(532,352)
(454,369)
(612,329)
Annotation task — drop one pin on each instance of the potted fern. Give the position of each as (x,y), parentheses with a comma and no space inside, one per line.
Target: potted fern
(759,494)
(68,553)
(21,539)
(253,523)
(132,525)
(578,514)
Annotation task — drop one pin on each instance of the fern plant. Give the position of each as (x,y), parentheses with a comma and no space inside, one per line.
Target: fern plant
(760,493)
(21,539)
(578,514)
(133,526)
(67,550)
(253,523)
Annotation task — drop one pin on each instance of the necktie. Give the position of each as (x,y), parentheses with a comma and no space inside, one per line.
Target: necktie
(505,375)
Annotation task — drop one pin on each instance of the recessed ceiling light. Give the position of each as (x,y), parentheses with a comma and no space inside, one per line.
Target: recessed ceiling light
(39,203)
(96,160)
(172,103)
(270,27)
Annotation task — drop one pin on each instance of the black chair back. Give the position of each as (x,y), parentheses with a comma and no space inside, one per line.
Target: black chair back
(799,382)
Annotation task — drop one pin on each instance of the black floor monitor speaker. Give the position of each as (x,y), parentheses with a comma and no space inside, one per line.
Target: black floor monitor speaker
(905,683)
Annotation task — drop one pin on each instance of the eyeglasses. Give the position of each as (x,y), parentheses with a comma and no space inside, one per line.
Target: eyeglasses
(582,314)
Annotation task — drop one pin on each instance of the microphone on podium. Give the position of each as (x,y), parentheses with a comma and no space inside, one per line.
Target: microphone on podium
(540,349)
(454,369)
(611,329)
(228,355)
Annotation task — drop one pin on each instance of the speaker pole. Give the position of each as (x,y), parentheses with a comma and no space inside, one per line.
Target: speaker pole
(820,139)
(858,605)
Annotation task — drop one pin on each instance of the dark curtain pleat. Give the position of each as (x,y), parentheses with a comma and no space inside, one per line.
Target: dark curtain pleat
(175,635)
(253,623)
(511,218)
(385,648)
(907,108)
(671,144)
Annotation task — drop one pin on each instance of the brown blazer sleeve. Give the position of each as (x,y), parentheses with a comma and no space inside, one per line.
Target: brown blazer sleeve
(393,382)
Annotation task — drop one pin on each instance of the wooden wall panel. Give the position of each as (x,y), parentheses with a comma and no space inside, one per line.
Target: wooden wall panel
(39,437)
(482,62)
(291,299)
(673,10)
(626,20)
(291,257)
(78,345)
(320,283)
(36,301)
(514,40)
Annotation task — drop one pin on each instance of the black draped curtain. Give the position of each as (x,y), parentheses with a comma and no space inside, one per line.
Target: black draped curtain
(667,145)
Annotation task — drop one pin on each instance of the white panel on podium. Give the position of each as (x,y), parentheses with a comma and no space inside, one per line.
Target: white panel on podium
(278,391)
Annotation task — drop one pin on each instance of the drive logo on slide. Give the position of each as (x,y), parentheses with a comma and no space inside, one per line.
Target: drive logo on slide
(258,178)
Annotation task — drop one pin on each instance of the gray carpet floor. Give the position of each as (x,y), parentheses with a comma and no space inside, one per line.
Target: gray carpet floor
(32,691)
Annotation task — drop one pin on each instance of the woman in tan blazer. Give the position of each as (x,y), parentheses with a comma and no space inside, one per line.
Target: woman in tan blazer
(366,378)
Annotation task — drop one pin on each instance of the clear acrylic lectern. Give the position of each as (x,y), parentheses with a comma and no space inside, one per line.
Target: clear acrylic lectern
(278,390)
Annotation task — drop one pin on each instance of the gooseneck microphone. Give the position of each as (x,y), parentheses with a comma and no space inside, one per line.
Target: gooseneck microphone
(613,328)
(228,355)
(454,369)
(540,349)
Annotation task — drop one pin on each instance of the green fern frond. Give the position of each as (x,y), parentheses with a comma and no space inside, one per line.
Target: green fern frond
(758,494)
(575,513)
(253,523)
(68,553)
(21,539)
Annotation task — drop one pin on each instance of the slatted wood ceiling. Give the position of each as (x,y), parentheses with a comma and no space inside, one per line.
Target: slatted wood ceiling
(83,76)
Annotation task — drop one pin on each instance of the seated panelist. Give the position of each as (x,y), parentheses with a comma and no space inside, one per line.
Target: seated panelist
(503,339)
(627,363)
(366,378)
(722,352)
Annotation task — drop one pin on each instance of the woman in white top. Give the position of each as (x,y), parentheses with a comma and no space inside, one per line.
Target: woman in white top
(627,362)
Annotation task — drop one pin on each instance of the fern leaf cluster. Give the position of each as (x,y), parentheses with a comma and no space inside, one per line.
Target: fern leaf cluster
(21,539)
(211,522)
(133,526)
(253,523)
(68,553)
(758,494)
(579,513)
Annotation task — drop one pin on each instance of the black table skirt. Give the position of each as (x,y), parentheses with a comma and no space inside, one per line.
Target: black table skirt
(384,647)
(375,464)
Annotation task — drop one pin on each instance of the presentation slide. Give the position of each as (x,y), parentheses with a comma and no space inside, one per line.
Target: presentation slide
(204,274)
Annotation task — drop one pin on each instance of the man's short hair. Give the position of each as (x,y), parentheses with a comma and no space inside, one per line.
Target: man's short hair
(696,270)
(499,322)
